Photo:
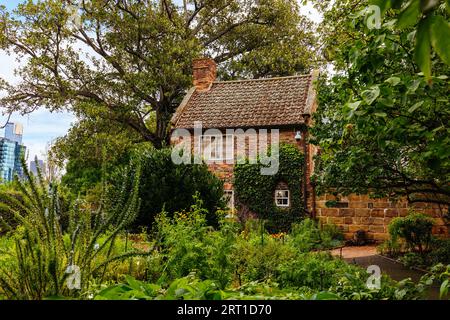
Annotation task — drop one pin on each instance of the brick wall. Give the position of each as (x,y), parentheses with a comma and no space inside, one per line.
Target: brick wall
(359,212)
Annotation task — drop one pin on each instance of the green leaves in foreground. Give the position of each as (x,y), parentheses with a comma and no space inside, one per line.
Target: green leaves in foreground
(433,30)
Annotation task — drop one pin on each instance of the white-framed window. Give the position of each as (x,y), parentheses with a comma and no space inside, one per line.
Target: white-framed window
(229,198)
(282,198)
(218,147)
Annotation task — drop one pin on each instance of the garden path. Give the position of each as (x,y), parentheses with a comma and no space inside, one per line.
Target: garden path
(365,256)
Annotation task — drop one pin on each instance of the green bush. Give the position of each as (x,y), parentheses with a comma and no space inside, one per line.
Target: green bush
(390,247)
(415,229)
(318,270)
(168,187)
(440,252)
(258,261)
(310,235)
(187,244)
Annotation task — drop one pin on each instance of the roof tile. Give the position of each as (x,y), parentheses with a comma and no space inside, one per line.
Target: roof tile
(247,103)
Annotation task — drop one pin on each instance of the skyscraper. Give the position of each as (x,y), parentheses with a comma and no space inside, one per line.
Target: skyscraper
(11,150)
(14,132)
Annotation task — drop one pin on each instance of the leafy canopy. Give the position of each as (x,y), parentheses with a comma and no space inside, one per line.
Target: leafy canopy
(128,61)
(381,127)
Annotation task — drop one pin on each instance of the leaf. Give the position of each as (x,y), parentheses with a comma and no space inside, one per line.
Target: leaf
(325,296)
(444,289)
(440,37)
(354,105)
(408,17)
(422,52)
(427,5)
(384,5)
(371,95)
(415,106)
(381,114)
(393,81)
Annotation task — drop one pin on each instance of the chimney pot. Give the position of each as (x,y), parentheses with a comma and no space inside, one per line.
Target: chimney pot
(204,73)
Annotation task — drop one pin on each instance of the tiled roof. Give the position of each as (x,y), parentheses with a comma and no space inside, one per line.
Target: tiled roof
(247,103)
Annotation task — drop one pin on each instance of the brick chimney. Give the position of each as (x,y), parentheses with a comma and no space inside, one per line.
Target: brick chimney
(204,73)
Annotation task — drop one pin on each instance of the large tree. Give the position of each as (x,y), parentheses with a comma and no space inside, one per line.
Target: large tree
(127,60)
(382,125)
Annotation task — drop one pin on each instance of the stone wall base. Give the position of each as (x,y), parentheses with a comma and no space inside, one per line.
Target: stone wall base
(359,212)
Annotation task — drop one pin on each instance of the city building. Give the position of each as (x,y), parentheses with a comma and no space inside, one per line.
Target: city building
(11,150)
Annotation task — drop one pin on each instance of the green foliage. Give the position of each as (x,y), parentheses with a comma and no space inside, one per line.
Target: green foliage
(187,244)
(318,271)
(39,263)
(390,247)
(256,192)
(415,229)
(169,187)
(309,235)
(433,28)
(90,145)
(139,64)
(440,251)
(382,129)
(191,288)
(256,261)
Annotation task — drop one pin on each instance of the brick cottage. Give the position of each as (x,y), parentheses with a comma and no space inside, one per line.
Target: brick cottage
(284,103)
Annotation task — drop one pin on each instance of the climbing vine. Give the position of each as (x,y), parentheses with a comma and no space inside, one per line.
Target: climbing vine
(256,192)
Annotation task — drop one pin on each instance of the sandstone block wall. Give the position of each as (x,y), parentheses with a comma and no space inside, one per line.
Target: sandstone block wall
(359,212)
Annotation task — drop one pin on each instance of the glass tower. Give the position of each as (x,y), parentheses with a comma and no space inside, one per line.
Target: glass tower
(11,151)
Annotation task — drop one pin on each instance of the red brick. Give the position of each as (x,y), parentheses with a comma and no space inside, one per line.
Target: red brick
(354,197)
(381,204)
(350,220)
(391,213)
(357,204)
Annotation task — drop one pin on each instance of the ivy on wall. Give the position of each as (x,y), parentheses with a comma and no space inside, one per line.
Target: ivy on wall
(256,192)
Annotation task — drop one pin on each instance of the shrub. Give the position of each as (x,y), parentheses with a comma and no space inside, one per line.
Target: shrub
(390,247)
(318,270)
(309,235)
(258,261)
(170,188)
(412,259)
(415,229)
(440,252)
(188,244)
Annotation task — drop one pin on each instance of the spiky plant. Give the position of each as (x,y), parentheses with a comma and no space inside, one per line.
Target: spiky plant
(48,261)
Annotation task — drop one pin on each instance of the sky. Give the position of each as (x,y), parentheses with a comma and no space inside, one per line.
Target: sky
(42,127)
